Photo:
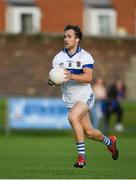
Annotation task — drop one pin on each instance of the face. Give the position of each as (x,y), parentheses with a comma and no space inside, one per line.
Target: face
(70,40)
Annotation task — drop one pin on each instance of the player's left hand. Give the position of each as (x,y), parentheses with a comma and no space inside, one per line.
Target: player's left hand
(67,75)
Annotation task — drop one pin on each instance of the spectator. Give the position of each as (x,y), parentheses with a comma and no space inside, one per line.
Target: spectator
(121,90)
(100,91)
(115,94)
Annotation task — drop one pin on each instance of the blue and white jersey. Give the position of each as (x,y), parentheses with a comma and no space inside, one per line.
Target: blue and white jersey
(73,91)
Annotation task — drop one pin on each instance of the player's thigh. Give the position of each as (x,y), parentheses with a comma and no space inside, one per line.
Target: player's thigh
(78,111)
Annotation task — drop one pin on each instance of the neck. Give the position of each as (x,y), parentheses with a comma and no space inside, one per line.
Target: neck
(72,50)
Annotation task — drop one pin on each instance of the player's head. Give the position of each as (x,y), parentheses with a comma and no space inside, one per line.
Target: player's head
(72,36)
(76,29)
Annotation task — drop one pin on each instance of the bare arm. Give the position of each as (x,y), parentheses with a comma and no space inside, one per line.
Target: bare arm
(86,77)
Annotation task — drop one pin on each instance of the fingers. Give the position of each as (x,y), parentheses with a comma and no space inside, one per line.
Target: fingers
(67,75)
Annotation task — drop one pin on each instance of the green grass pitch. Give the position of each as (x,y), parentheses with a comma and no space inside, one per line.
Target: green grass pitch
(51,156)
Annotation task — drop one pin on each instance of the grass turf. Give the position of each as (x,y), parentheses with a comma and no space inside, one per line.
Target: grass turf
(51,156)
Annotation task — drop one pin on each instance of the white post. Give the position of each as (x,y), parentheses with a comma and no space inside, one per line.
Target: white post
(7,128)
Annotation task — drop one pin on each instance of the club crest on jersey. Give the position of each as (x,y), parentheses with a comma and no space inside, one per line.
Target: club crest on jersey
(78,64)
(70,64)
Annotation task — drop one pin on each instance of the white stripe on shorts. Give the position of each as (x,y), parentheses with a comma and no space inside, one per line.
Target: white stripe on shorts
(90,101)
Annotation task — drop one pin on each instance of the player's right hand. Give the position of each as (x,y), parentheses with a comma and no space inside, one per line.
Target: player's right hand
(51,83)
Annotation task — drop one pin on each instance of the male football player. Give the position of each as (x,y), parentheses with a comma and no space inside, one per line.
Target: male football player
(77,93)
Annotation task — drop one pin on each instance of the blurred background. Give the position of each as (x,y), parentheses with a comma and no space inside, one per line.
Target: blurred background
(31,34)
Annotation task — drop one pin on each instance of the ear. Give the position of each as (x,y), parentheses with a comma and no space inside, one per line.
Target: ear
(77,40)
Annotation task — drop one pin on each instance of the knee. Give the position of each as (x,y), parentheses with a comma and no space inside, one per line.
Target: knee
(72,118)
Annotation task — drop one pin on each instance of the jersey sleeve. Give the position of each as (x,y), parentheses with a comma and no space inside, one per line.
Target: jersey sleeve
(55,62)
(88,61)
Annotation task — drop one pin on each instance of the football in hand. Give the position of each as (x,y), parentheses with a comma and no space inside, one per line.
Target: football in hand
(57,75)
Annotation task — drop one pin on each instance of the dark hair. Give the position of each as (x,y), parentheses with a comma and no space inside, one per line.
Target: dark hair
(77,30)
